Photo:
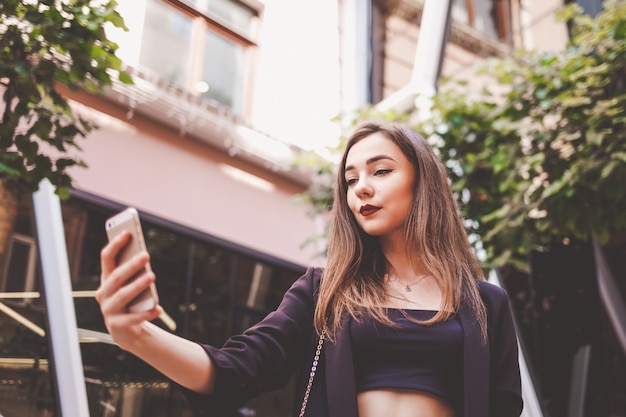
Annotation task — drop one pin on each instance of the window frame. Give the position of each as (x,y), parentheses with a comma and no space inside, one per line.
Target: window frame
(215,23)
(502,22)
(205,20)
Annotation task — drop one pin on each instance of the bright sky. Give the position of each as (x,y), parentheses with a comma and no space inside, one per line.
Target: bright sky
(297,81)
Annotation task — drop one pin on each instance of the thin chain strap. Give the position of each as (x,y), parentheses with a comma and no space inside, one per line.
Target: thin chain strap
(316,359)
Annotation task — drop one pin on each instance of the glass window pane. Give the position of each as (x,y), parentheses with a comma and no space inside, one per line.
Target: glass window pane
(165,43)
(209,310)
(25,380)
(209,292)
(20,271)
(239,16)
(485,15)
(459,11)
(223,71)
(235,14)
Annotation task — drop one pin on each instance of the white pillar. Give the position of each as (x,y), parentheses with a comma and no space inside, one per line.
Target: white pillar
(355,16)
(57,284)
(428,57)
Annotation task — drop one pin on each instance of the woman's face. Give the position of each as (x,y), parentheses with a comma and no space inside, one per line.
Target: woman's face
(380,186)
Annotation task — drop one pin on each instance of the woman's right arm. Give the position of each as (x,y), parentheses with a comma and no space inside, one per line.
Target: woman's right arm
(182,360)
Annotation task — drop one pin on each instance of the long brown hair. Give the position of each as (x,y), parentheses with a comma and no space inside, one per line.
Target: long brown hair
(353,280)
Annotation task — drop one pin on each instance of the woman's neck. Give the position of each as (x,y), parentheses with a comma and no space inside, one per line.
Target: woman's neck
(402,264)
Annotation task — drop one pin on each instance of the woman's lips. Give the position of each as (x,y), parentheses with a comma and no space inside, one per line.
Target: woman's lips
(367,210)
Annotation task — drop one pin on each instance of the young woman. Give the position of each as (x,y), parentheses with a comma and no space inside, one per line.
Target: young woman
(401,317)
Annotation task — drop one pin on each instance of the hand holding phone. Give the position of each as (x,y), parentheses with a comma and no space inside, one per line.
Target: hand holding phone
(128,220)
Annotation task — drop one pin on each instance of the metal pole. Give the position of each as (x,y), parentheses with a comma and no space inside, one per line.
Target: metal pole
(68,366)
(610,295)
(532,407)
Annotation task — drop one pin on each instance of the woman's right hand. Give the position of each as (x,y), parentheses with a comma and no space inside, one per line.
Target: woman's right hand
(182,360)
(117,290)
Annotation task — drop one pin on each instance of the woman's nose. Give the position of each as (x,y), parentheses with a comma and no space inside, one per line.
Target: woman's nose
(363,188)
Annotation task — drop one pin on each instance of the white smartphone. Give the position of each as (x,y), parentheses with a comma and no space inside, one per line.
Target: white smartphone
(128,220)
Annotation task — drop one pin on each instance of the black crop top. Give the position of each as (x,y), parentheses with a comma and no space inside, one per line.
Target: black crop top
(411,356)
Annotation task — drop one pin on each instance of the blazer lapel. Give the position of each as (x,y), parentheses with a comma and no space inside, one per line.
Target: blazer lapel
(340,387)
(475,366)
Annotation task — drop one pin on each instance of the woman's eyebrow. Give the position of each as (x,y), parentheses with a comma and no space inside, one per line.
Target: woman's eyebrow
(370,161)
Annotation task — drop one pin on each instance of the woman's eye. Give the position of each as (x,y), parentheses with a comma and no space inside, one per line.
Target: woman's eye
(350,181)
(382,171)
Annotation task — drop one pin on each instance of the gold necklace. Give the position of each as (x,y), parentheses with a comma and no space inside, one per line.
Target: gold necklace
(407,287)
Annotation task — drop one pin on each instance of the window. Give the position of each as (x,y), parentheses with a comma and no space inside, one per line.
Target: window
(25,385)
(235,14)
(591,7)
(223,72)
(20,270)
(166,43)
(491,17)
(201,46)
(209,290)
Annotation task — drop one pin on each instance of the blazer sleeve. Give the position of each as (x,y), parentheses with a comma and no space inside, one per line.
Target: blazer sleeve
(505,398)
(265,356)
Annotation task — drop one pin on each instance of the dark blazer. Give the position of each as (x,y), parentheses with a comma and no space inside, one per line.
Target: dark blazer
(265,356)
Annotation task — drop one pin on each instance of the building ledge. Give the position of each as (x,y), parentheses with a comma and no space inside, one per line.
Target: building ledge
(465,36)
(207,121)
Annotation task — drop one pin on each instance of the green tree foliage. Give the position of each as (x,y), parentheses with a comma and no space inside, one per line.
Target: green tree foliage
(44,43)
(539,155)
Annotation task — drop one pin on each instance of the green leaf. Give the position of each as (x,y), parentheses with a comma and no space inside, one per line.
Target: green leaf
(607,170)
(29,65)
(7,170)
(125,78)
(620,156)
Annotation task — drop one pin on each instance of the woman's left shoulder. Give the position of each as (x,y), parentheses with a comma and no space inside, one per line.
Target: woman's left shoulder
(488,287)
(492,293)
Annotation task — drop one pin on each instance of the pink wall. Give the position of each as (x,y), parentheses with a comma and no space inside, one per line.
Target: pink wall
(135,162)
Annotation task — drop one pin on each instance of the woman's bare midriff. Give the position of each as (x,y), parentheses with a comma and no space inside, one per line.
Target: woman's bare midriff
(401,403)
